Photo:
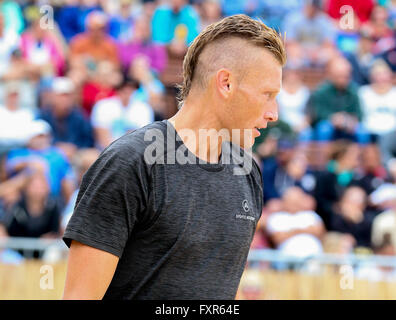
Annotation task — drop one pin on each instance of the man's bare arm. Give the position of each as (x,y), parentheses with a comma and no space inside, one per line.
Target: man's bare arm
(89,272)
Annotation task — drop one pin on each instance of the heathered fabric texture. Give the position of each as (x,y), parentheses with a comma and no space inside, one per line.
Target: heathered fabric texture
(180,231)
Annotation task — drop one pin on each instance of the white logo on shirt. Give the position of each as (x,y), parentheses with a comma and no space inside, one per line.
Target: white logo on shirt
(245,205)
(246,208)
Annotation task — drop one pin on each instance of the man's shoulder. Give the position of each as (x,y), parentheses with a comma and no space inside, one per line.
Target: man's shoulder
(132,146)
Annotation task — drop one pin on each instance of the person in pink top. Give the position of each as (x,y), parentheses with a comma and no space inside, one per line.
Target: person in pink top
(141,45)
(41,47)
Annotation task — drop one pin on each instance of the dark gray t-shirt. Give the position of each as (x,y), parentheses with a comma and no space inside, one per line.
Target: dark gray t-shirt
(181,231)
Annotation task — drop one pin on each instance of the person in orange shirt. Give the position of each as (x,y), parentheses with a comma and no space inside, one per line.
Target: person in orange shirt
(94,45)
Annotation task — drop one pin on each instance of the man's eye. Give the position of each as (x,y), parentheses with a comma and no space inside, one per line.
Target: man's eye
(268,95)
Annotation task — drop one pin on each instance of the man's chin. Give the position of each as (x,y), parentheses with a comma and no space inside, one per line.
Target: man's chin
(245,138)
(246,144)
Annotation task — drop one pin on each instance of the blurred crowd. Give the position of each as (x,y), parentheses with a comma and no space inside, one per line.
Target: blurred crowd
(77,74)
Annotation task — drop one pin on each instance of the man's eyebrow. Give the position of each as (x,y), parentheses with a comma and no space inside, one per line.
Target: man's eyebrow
(272,90)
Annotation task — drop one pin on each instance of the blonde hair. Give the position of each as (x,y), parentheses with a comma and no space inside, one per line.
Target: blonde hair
(237,26)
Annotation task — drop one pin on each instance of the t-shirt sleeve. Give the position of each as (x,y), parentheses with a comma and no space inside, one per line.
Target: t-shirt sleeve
(110,200)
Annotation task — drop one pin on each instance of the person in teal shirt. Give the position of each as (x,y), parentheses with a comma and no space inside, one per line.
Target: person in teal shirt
(176,21)
(13,16)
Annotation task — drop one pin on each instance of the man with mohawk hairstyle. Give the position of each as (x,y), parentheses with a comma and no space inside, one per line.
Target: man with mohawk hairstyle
(148,229)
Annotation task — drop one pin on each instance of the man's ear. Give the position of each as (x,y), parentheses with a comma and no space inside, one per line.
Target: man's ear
(224,83)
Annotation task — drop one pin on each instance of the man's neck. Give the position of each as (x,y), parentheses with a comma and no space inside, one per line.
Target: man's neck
(196,117)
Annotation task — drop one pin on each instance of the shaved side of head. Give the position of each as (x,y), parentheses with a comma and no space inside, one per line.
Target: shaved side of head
(232,53)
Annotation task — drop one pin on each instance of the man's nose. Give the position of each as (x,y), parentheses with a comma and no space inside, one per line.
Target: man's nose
(271,116)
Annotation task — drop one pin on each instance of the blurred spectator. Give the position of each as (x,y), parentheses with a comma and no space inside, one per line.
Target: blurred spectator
(296,231)
(113,117)
(385,198)
(41,48)
(351,216)
(100,85)
(70,129)
(265,145)
(10,189)
(391,166)
(13,15)
(79,73)
(141,45)
(39,150)
(273,12)
(249,7)
(361,8)
(385,223)
(151,89)
(339,174)
(379,107)
(380,30)
(175,24)
(262,238)
(8,256)
(9,41)
(121,24)
(94,45)
(67,19)
(21,69)
(389,56)
(362,59)
(86,7)
(292,100)
(391,6)
(338,243)
(36,214)
(310,36)
(371,271)
(274,164)
(334,106)
(372,173)
(14,121)
(82,161)
(209,12)
(279,178)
